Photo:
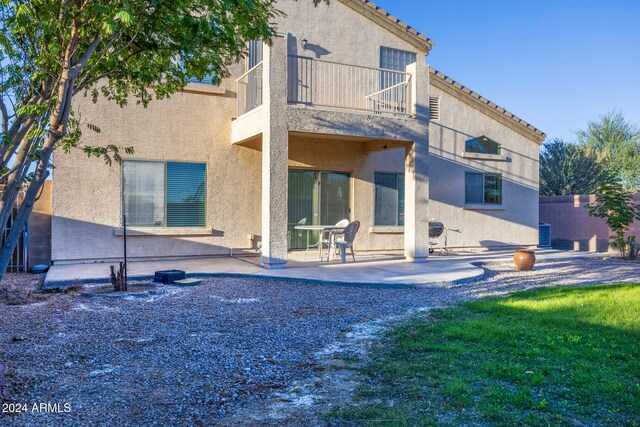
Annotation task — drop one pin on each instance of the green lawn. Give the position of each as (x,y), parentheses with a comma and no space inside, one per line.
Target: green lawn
(561,356)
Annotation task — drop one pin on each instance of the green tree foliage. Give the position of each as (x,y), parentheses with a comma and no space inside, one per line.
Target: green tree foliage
(615,144)
(614,203)
(51,51)
(567,169)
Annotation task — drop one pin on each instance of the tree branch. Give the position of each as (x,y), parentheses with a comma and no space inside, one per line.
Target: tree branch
(89,82)
(5,116)
(8,150)
(73,71)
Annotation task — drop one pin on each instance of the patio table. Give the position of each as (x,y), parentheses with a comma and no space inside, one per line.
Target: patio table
(322,229)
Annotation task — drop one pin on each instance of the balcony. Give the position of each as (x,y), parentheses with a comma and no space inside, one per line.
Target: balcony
(325,84)
(318,83)
(250,90)
(321,96)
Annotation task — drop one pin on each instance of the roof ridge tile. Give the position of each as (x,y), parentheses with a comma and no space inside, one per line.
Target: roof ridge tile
(420,40)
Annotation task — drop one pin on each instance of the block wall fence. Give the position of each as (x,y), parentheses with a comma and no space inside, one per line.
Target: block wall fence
(573,228)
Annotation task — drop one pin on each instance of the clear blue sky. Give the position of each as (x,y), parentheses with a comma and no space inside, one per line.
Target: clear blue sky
(556,64)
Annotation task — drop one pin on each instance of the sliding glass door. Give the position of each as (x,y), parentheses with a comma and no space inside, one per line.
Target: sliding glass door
(316,198)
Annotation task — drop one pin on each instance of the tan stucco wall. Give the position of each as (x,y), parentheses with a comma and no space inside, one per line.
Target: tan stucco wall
(351,157)
(335,33)
(516,223)
(188,127)
(196,126)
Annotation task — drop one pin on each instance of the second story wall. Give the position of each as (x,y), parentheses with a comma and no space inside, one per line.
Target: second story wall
(336,33)
(513,221)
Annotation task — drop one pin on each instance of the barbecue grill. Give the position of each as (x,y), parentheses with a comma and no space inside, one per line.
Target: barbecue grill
(436,230)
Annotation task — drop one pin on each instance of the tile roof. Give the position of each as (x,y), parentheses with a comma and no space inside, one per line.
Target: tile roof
(390,22)
(422,42)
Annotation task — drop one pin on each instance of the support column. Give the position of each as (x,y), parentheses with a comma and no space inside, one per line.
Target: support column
(275,155)
(416,198)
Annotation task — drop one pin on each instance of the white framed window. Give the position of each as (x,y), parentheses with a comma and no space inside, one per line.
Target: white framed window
(483,188)
(163,194)
(389,198)
(396,59)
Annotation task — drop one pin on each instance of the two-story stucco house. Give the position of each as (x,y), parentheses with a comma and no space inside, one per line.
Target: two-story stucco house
(340,117)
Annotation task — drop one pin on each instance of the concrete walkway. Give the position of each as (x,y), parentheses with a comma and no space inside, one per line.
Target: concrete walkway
(370,270)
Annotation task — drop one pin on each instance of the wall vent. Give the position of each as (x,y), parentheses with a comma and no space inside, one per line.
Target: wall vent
(544,235)
(434,108)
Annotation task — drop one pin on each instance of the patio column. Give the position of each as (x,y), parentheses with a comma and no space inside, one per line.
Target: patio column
(275,155)
(416,197)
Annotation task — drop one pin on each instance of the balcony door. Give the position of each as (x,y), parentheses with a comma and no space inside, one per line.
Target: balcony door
(316,198)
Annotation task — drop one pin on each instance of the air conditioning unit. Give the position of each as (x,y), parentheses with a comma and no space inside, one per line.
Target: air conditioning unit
(544,235)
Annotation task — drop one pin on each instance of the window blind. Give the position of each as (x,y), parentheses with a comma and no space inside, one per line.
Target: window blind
(400,199)
(473,188)
(185,194)
(143,192)
(159,194)
(387,197)
(207,80)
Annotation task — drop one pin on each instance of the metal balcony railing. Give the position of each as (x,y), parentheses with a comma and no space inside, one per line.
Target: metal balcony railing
(250,90)
(321,83)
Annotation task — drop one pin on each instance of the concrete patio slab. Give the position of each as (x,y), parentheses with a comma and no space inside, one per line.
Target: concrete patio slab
(369,269)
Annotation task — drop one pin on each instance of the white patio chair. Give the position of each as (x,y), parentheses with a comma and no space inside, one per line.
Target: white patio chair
(303,221)
(346,241)
(333,233)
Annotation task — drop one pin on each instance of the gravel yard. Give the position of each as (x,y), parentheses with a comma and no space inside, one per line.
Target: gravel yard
(230,351)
